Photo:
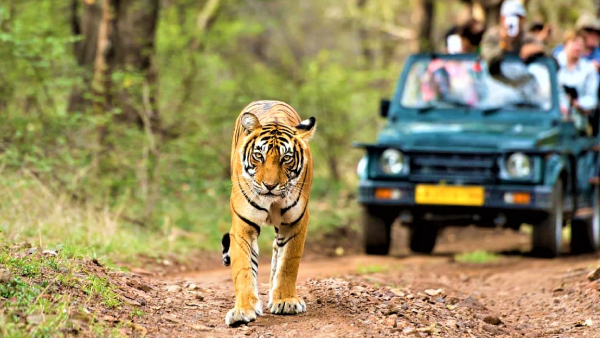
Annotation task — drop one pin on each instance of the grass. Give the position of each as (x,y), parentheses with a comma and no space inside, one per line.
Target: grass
(477,257)
(33,211)
(52,294)
(40,294)
(371,268)
(98,287)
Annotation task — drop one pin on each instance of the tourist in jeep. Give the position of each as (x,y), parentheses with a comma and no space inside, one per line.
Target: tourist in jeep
(578,82)
(509,38)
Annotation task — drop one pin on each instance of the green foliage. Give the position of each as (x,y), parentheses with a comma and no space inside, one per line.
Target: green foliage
(372,268)
(35,297)
(178,187)
(477,257)
(99,287)
(87,179)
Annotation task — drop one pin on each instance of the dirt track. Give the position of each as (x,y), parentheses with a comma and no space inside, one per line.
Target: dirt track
(403,296)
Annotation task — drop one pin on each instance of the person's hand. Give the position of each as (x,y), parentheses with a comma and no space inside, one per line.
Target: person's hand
(546,32)
(564,110)
(505,40)
(530,50)
(596,64)
(575,104)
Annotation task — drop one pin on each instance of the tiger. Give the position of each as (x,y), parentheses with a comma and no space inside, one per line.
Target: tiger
(271,175)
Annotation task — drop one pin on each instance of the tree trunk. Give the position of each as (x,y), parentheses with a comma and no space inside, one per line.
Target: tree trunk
(132,45)
(85,23)
(427,13)
(128,48)
(363,35)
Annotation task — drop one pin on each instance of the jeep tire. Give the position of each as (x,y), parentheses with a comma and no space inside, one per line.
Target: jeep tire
(546,240)
(585,232)
(377,229)
(422,237)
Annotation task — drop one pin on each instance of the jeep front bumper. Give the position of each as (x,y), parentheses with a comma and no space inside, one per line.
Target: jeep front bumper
(497,197)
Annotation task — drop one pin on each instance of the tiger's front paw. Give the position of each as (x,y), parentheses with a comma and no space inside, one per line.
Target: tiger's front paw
(287,306)
(237,316)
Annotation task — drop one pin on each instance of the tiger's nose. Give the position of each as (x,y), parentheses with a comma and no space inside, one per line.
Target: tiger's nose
(270,186)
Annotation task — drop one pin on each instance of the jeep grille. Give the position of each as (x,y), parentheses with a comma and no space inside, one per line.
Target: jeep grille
(453,168)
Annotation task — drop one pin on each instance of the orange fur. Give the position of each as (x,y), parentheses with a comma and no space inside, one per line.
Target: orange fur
(271,174)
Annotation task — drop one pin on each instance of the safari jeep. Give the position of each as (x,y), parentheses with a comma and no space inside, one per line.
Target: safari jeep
(462,147)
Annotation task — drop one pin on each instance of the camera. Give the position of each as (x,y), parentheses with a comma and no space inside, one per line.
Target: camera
(512,25)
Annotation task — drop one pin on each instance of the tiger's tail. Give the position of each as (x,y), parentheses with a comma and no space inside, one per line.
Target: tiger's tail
(225,242)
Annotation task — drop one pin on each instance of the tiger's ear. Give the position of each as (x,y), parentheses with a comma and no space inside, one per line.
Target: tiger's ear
(250,122)
(306,129)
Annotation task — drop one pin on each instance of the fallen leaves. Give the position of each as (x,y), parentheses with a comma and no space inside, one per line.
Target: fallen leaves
(171,318)
(494,320)
(5,276)
(35,319)
(432,292)
(588,322)
(173,288)
(139,285)
(594,275)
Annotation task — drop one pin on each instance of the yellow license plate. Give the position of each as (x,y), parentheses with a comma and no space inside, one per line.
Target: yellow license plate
(449,195)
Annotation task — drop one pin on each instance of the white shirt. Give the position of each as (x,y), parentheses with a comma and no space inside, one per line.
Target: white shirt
(583,77)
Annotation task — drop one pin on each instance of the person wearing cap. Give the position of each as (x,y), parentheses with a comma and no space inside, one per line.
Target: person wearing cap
(509,38)
(589,26)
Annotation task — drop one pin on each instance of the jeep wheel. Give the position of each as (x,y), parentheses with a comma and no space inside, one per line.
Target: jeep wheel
(377,228)
(547,235)
(422,237)
(585,233)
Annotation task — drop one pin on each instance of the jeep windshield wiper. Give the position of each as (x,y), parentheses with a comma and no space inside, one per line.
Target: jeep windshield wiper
(426,108)
(492,110)
(452,104)
(526,105)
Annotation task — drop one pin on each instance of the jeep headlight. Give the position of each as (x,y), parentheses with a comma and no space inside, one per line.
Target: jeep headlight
(361,169)
(518,165)
(392,162)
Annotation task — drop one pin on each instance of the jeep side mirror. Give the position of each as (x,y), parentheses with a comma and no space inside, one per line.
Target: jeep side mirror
(384,106)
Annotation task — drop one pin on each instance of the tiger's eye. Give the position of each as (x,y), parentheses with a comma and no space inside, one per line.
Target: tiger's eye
(287,158)
(258,156)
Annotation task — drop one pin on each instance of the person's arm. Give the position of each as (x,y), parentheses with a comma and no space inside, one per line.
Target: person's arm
(532,48)
(491,50)
(563,99)
(588,99)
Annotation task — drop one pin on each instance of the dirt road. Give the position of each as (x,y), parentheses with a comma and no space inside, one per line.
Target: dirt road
(402,296)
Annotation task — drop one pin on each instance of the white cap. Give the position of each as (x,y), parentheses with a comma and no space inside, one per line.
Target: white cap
(512,8)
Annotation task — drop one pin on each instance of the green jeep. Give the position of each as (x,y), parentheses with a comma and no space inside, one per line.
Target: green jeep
(462,147)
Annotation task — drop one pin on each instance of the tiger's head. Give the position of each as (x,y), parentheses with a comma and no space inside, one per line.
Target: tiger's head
(274,156)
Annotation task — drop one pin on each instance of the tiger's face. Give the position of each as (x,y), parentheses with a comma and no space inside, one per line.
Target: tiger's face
(274,156)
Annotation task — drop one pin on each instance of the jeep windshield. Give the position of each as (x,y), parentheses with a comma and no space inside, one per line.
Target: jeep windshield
(448,83)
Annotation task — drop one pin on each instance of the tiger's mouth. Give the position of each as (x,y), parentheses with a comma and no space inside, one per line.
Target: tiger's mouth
(280,192)
(273,195)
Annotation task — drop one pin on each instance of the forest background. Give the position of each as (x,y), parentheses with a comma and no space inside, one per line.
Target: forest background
(116,115)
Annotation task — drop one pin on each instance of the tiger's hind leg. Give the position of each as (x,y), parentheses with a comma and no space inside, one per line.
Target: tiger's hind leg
(243,251)
(287,252)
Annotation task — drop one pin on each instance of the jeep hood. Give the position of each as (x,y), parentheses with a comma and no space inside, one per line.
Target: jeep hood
(464,136)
